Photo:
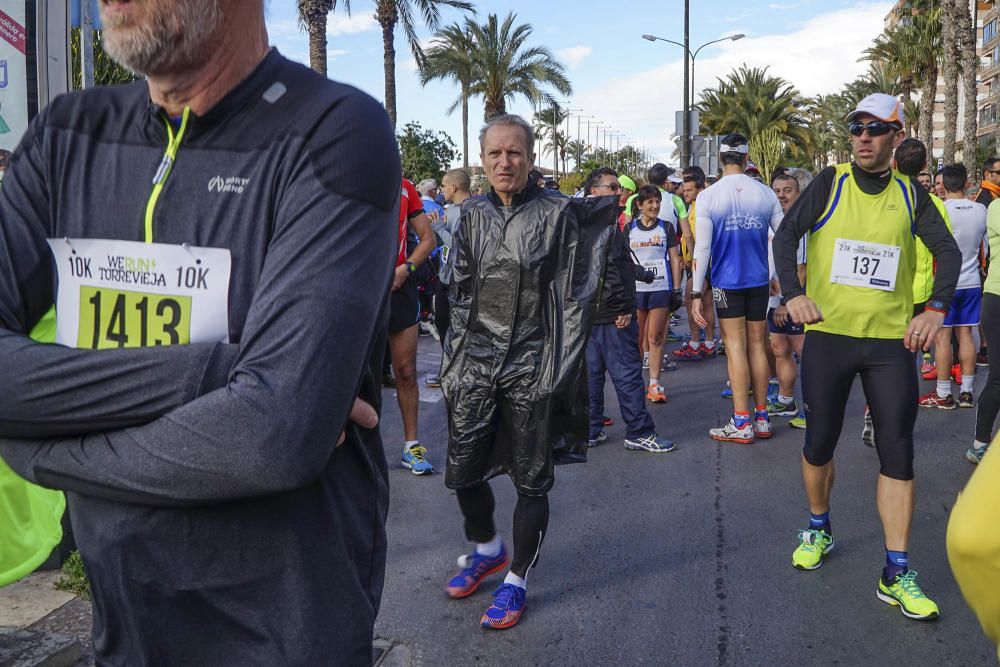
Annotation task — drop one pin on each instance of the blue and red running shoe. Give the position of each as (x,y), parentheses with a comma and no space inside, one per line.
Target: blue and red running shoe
(475,568)
(507,607)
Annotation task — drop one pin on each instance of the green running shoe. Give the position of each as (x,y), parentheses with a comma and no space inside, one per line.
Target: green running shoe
(904,592)
(815,544)
(779,409)
(799,421)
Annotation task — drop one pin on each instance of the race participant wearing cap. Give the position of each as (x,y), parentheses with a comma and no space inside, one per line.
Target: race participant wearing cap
(989,398)
(858,308)
(612,348)
(625,199)
(968,224)
(695,348)
(786,336)
(733,219)
(404,318)
(221,284)
(654,245)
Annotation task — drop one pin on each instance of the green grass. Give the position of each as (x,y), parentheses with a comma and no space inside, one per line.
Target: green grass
(74,579)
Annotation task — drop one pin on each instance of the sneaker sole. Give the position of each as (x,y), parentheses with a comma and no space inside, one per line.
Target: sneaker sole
(972,458)
(796,426)
(475,587)
(939,407)
(966,405)
(409,466)
(640,448)
(509,622)
(893,602)
(764,436)
(742,441)
(783,414)
(817,565)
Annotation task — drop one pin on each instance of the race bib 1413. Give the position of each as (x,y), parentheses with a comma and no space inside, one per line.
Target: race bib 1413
(130,294)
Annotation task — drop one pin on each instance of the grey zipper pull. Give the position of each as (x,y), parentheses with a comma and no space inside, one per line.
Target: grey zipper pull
(161,172)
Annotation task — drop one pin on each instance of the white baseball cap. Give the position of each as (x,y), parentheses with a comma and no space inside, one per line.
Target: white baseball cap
(884,107)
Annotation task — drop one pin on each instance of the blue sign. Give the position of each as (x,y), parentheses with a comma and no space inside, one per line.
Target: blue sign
(95,15)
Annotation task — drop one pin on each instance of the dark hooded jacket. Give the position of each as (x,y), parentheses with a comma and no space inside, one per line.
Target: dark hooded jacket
(526,279)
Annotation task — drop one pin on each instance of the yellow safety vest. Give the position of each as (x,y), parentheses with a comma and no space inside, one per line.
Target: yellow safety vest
(923,278)
(851,215)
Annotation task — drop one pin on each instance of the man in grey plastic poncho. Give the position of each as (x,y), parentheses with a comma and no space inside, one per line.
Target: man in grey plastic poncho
(528,266)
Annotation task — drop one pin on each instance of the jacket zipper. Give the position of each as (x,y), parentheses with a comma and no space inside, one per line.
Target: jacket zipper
(163,171)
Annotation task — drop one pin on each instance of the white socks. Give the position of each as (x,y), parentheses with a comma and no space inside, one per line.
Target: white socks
(944,388)
(979,445)
(512,578)
(408,444)
(654,383)
(785,400)
(695,344)
(967,381)
(490,549)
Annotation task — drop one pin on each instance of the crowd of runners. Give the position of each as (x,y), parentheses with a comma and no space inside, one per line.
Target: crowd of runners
(211,424)
(805,292)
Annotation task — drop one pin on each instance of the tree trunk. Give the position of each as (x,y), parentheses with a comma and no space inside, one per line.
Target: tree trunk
(465,126)
(906,83)
(950,61)
(387,16)
(970,64)
(926,122)
(317,42)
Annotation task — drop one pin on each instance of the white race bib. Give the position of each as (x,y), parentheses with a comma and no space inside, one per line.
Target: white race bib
(865,264)
(131,294)
(659,268)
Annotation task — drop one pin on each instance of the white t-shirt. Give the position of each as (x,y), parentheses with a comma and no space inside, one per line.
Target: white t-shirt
(968,225)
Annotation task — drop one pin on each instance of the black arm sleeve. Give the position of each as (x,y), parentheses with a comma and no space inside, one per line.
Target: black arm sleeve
(934,233)
(306,340)
(800,218)
(619,279)
(51,390)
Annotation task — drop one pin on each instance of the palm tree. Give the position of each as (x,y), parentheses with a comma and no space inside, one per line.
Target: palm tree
(389,13)
(950,61)
(925,32)
(451,57)
(506,67)
(577,150)
(966,31)
(750,101)
(312,17)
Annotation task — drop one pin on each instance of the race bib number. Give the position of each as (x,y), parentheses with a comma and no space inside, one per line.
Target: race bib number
(659,268)
(129,294)
(863,264)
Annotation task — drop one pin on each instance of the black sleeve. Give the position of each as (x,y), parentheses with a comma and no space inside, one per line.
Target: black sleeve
(934,233)
(619,278)
(800,218)
(985,197)
(308,336)
(51,390)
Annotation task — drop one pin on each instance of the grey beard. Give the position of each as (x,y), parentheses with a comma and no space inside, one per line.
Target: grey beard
(169,41)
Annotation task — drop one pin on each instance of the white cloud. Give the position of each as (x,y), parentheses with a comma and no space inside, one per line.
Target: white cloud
(342,24)
(817,58)
(573,55)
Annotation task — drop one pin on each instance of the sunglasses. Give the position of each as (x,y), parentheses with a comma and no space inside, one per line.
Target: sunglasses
(876,128)
(614,187)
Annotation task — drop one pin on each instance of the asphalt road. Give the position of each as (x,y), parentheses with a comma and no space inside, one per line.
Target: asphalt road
(684,558)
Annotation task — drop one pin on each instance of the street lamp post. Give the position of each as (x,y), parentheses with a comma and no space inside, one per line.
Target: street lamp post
(689,80)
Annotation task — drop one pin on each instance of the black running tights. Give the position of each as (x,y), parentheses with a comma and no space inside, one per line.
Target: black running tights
(531,520)
(989,398)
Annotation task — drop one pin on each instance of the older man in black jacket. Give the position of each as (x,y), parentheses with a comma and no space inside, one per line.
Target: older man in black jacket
(612,348)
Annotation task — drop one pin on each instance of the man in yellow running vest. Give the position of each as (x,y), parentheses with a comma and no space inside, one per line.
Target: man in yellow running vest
(863,219)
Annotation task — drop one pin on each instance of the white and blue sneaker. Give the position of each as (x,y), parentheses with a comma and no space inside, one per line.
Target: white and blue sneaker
(976,454)
(651,443)
(597,439)
(414,459)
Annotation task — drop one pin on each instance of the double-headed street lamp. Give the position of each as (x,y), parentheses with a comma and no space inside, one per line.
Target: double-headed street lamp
(689,94)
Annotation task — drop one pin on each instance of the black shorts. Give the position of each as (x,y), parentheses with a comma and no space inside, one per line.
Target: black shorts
(829,365)
(750,303)
(404,307)
(790,328)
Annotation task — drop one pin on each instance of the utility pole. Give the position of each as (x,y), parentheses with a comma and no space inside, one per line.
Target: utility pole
(686,139)
(86,44)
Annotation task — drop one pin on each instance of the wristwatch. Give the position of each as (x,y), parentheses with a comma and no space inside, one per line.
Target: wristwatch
(936,306)
(695,295)
(410,266)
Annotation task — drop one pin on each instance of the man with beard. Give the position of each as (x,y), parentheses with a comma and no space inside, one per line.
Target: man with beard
(223,268)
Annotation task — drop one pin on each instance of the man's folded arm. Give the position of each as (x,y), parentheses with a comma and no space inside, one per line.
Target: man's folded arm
(274,426)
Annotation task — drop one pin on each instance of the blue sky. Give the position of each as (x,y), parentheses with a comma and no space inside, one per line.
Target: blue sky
(623,81)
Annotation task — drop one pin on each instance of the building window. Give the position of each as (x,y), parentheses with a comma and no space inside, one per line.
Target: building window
(989,31)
